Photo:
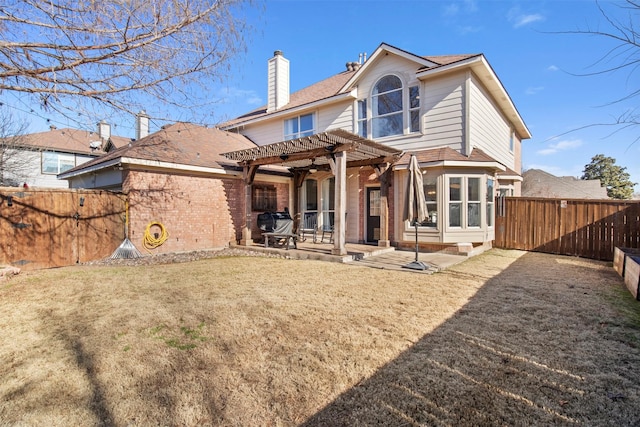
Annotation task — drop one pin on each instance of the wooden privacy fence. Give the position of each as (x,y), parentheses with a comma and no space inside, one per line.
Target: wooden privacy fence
(57,227)
(585,228)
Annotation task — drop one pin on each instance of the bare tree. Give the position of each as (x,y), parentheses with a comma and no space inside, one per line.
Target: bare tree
(75,54)
(620,26)
(16,158)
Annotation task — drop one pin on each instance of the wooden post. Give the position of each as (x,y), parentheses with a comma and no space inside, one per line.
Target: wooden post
(249,173)
(339,236)
(384,176)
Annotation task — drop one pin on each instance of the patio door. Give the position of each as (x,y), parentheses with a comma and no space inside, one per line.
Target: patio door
(373,215)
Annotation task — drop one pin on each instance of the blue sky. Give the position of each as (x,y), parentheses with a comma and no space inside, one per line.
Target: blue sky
(538,67)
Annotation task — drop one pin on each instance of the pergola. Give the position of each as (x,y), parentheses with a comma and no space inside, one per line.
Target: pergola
(334,150)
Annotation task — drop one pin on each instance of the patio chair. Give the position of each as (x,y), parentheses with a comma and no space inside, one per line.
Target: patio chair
(308,226)
(327,228)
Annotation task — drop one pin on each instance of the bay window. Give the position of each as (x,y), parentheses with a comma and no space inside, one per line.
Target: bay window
(490,199)
(467,201)
(455,202)
(431,196)
(473,202)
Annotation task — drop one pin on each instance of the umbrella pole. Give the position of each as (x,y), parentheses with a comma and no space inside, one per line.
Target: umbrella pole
(415,223)
(416,265)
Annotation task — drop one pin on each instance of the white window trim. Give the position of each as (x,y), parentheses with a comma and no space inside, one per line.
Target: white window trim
(314,118)
(464,209)
(406,110)
(59,156)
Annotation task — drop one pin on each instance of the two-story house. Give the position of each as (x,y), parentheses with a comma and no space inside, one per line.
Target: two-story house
(36,159)
(348,139)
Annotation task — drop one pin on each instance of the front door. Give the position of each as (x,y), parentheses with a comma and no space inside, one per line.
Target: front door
(373,214)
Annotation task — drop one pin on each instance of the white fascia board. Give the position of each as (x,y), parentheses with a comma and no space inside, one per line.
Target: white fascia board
(148,163)
(384,48)
(457,164)
(488,77)
(510,178)
(94,168)
(178,166)
(294,110)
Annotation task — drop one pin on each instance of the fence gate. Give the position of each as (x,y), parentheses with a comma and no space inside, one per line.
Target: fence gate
(585,228)
(57,227)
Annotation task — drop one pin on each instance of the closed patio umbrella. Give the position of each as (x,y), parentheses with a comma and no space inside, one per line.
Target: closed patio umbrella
(415,206)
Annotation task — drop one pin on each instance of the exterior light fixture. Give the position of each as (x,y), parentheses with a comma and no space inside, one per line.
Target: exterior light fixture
(81,201)
(9,200)
(313,168)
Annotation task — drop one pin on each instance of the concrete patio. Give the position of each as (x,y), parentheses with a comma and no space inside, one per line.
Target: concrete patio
(363,255)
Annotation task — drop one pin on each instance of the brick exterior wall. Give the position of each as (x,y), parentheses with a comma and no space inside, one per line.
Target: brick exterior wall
(197,212)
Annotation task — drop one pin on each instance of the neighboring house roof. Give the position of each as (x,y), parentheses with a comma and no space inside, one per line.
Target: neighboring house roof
(176,146)
(538,183)
(447,156)
(340,85)
(69,140)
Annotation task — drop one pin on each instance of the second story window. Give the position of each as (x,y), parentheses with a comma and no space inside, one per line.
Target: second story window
(362,118)
(386,107)
(298,127)
(414,109)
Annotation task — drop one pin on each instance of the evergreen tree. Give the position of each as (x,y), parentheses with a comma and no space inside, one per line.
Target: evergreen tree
(612,176)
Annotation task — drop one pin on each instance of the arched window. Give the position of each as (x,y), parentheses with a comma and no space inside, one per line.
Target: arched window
(386,107)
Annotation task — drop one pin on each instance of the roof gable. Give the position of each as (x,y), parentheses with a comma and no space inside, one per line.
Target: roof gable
(422,62)
(69,140)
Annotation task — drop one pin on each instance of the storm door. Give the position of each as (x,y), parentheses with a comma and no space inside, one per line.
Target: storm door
(373,214)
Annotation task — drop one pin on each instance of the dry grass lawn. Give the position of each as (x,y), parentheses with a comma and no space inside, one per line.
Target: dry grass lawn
(505,338)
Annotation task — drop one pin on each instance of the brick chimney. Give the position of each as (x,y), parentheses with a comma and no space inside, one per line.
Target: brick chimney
(142,125)
(278,80)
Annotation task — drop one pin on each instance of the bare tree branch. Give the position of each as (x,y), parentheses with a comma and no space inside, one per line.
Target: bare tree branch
(116,52)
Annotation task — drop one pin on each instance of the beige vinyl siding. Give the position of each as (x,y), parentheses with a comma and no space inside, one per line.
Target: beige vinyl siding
(267,132)
(337,116)
(442,116)
(442,102)
(488,129)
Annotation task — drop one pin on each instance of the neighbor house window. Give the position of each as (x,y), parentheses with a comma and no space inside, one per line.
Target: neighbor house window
(362,118)
(431,196)
(386,107)
(264,198)
(55,163)
(300,126)
(511,141)
(490,198)
(414,109)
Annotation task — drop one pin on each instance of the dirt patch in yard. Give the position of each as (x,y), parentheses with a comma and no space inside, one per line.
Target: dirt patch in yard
(505,338)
